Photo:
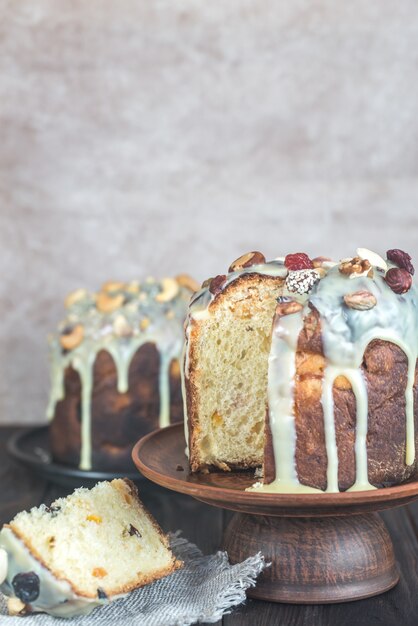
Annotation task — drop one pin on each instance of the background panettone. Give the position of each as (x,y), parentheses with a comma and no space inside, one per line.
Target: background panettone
(118,420)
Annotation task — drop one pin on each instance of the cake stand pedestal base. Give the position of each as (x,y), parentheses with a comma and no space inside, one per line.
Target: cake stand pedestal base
(315,560)
(323,547)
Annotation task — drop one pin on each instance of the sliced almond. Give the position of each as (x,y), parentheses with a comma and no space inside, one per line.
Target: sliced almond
(107,303)
(71,339)
(170,289)
(75,296)
(373,258)
(184,280)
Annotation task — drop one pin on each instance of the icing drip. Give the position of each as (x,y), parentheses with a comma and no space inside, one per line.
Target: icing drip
(329,429)
(346,333)
(281,384)
(142,319)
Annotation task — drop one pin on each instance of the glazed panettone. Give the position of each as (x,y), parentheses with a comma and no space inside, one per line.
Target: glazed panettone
(307,368)
(65,559)
(115,373)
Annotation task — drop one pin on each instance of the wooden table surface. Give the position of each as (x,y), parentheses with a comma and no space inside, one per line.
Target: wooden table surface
(203,525)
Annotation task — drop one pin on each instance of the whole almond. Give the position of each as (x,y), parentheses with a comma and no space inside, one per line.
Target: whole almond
(360,300)
(247,260)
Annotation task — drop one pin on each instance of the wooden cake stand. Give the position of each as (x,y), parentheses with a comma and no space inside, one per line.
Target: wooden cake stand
(322,547)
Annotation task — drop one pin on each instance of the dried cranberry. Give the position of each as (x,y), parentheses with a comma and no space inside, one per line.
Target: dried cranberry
(402,259)
(399,280)
(298,261)
(26,586)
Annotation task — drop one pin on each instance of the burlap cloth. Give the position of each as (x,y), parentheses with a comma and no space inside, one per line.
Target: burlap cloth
(204,590)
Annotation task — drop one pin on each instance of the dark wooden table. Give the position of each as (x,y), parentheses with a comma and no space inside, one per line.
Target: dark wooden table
(203,525)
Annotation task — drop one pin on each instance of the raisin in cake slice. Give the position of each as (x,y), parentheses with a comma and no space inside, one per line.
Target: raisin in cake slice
(83,550)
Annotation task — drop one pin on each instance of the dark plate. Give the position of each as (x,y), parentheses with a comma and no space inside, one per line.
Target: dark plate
(31,447)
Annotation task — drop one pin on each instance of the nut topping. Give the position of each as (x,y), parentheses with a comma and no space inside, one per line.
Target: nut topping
(402,259)
(355,266)
(72,336)
(247,260)
(285,306)
(121,327)
(184,280)
(107,303)
(372,257)
(170,289)
(399,280)
(360,300)
(75,296)
(217,283)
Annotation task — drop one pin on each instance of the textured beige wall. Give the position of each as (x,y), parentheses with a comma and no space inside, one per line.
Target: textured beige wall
(148,137)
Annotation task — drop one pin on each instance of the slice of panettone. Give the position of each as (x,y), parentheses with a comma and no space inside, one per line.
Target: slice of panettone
(84,550)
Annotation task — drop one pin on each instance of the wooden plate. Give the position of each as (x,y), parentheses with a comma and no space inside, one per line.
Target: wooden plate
(31,447)
(160,456)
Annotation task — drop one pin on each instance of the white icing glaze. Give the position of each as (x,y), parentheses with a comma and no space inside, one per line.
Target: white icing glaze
(346,333)
(3,565)
(164,330)
(281,384)
(56,596)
